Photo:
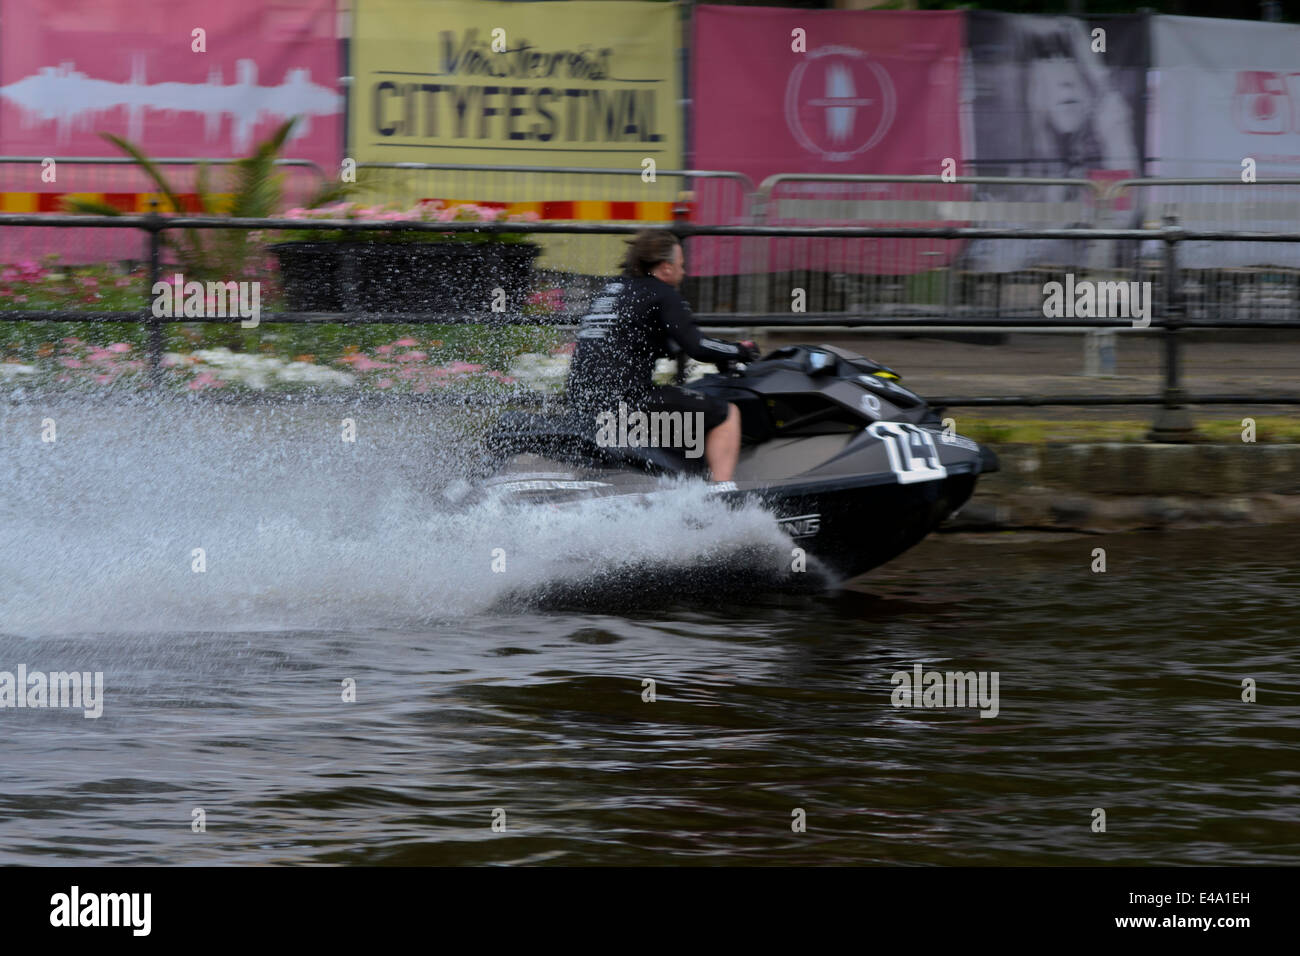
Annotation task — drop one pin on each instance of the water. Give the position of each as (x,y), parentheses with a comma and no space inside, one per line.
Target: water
(326,562)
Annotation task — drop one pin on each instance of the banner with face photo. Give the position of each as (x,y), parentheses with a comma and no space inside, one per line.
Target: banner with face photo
(1225,102)
(1059,98)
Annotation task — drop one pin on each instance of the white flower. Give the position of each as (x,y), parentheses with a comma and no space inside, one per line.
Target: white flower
(540,371)
(258,371)
(314,374)
(13,370)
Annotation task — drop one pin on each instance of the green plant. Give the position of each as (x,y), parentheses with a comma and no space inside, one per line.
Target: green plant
(255,190)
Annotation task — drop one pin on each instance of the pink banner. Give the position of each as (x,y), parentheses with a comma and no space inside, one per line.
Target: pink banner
(834,93)
(181,78)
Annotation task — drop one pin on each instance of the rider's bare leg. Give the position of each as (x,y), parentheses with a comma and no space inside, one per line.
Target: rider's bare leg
(722,446)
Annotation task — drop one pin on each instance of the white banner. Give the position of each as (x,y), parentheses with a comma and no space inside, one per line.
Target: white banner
(1224,101)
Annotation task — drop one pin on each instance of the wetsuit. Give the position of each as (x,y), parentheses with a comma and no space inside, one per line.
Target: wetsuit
(630,325)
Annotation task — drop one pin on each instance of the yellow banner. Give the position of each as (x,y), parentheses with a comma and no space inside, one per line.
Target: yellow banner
(586,83)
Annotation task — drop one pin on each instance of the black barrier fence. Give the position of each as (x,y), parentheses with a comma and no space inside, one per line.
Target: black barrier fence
(1173,422)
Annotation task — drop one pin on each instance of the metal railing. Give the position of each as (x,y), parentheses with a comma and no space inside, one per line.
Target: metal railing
(578,193)
(966,277)
(23,182)
(916,275)
(1172,423)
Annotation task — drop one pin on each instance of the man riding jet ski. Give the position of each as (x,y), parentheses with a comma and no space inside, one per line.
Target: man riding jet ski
(642,317)
(855,467)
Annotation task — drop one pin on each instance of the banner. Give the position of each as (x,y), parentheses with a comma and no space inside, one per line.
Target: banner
(179,78)
(1058,98)
(1224,92)
(581,84)
(830,93)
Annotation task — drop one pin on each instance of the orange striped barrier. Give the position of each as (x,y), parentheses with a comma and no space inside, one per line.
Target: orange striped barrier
(589,210)
(595,210)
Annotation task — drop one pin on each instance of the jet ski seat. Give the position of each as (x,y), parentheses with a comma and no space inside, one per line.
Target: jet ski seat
(570,436)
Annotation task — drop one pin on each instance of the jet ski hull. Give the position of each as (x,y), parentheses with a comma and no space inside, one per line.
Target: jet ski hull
(851,529)
(852,466)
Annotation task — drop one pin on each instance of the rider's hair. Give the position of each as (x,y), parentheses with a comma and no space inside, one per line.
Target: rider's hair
(646,250)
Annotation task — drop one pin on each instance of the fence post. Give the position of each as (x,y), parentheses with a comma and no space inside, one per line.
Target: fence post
(1173,422)
(152,322)
(1099,352)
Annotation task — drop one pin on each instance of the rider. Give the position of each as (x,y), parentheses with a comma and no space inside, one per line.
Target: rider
(636,320)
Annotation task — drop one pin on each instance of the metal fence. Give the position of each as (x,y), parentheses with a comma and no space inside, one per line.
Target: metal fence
(1247,279)
(1168,316)
(34,184)
(649,196)
(879,276)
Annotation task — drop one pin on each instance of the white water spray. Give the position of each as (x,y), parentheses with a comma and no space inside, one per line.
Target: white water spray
(298,528)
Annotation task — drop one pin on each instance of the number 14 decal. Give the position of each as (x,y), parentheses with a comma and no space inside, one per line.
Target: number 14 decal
(911,451)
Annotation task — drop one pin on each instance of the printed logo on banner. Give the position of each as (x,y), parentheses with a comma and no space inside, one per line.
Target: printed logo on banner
(69,97)
(839,103)
(1293,89)
(1260,103)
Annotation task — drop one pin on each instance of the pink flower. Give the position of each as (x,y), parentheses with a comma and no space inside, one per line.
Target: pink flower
(70,363)
(384,383)
(548,298)
(462,367)
(412,357)
(365,363)
(72,341)
(119,347)
(206,380)
(406,342)
(384,349)
(105,378)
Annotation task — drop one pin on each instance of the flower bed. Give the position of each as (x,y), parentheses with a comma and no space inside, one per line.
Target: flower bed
(381,271)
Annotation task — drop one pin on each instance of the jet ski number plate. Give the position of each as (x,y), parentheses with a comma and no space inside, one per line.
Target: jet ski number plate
(912,454)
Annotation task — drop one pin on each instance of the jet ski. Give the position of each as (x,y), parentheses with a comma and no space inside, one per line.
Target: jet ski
(853,466)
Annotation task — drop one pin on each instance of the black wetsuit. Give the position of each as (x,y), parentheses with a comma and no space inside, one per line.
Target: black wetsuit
(630,326)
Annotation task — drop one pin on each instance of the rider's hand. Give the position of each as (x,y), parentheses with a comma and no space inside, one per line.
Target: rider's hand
(748,351)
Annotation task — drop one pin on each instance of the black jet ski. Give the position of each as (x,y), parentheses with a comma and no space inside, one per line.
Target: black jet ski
(853,466)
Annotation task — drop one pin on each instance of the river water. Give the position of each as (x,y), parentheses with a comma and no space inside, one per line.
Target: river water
(772,736)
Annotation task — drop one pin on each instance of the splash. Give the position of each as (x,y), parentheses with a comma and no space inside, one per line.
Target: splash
(184,515)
